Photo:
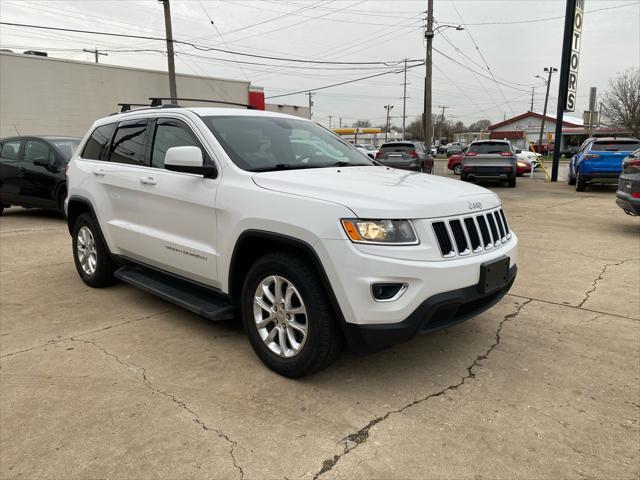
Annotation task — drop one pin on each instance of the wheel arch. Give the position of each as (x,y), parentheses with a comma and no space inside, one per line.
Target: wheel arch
(253,244)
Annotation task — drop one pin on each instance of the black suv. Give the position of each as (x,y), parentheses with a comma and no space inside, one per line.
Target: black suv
(32,171)
(405,155)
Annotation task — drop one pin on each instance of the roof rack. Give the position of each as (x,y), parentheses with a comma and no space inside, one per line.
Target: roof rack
(157,102)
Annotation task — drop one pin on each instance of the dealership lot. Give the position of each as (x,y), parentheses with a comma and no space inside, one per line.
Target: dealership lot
(117,383)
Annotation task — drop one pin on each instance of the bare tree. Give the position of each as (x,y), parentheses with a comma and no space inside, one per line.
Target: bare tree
(361,124)
(621,104)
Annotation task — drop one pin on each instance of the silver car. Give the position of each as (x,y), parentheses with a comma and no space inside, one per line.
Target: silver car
(491,159)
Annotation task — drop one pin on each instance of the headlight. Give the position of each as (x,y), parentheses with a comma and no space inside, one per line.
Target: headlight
(522,164)
(390,232)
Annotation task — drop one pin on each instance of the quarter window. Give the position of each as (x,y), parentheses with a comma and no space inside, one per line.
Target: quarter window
(95,149)
(170,134)
(129,144)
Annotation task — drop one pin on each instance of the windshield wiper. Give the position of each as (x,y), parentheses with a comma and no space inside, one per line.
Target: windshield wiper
(281,166)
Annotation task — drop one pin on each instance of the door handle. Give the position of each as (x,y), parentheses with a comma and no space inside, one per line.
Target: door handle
(100,172)
(148,181)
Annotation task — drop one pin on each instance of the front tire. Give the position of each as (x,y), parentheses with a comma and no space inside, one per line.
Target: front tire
(288,317)
(90,254)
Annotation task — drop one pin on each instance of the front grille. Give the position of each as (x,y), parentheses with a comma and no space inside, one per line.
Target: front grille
(469,234)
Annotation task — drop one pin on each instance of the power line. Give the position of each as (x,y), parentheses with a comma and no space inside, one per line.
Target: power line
(343,83)
(204,48)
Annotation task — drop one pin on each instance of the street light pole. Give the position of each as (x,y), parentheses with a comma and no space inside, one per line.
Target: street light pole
(427,121)
(386,131)
(404,101)
(173,93)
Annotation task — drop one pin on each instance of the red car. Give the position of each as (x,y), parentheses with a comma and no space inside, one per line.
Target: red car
(455,163)
(522,166)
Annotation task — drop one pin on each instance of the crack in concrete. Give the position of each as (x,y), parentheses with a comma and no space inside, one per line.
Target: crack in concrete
(180,403)
(600,276)
(65,339)
(354,440)
(550,302)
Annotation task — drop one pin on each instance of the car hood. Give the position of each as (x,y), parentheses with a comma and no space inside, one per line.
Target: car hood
(381,192)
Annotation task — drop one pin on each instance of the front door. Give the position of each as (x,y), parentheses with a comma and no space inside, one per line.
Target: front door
(177,217)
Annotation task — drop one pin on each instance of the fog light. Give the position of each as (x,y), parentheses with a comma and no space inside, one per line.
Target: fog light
(385,292)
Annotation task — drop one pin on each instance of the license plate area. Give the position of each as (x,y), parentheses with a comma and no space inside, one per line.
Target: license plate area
(494,274)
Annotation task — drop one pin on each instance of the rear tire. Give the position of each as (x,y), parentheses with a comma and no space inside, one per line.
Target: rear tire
(512,182)
(457,169)
(581,185)
(571,180)
(319,346)
(90,254)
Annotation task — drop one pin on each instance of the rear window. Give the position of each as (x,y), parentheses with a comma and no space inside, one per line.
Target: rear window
(616,146)
(397,147)
(95,147)
(490,147)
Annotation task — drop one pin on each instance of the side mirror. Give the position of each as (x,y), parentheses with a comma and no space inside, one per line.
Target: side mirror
(518,151)
(188,160)
(42,162)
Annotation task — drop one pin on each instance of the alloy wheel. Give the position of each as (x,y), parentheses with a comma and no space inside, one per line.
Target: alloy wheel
(87,251)
(280,316)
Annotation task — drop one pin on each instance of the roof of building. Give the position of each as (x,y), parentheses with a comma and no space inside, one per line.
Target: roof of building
(566,121)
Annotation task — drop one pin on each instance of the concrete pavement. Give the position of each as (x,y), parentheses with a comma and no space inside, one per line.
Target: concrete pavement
(115,383)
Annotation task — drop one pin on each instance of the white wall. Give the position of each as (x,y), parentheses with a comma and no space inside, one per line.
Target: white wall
(296,110)
(42,95)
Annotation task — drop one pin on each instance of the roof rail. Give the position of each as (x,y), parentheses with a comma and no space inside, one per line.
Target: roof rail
(125,107)
(157,102)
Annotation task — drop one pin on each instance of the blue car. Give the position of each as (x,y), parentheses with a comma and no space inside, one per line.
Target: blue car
(600,161)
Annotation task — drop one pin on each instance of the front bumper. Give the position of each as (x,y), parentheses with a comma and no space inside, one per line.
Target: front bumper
(353,270)
(629,204)
(436,313)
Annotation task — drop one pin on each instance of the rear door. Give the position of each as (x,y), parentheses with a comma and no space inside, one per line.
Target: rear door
(39,183)
(10,173)
(177,216)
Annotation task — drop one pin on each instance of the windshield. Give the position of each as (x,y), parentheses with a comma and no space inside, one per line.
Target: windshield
(490,147)
(616,146)
(66,147)
(259,144)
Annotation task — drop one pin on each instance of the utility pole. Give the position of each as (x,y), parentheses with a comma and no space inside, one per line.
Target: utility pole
(404,100)
(330,117)
(340,122)
(311,94)
(441,122)
(427,121)
(386,131)
(95,51)
(533,92)
(173,92)
(544,112)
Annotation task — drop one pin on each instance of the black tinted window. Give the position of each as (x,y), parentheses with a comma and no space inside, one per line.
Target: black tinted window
(37,151)
(489,147)
(170,134)
(129,144)
(615,146)
(397,147)
(95,147)
(9,149)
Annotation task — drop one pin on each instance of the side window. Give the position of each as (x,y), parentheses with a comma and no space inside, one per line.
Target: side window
(170,133)
(129,143)
(37,152)
(9,150)
(95,149)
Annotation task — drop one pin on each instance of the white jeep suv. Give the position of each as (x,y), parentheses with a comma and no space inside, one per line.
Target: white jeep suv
(276,219)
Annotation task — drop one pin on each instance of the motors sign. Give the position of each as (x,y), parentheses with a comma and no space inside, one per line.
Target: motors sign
(574,59)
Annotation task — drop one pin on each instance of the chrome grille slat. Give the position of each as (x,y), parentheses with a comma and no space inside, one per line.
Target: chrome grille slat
(471,234)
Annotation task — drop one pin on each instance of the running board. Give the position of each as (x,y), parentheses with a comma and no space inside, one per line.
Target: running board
(198,300)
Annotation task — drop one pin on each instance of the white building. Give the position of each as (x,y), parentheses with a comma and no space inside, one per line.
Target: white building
(525,128)
(53,96)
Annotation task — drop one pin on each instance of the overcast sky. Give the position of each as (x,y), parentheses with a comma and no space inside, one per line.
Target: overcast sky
(352,31)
